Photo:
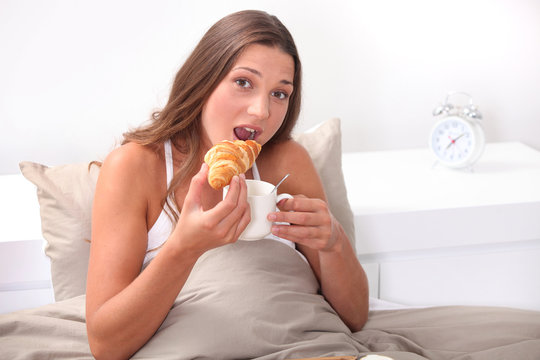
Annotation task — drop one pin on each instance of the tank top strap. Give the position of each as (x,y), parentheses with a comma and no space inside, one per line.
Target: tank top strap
(169,162)
(255,172)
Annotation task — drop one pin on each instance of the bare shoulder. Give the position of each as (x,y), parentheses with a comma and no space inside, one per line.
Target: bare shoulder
(130,156)
(285,154)
(291,157)
(134,163)
(132,175)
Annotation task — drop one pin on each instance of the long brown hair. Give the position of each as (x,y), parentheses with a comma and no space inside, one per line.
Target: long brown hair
(205,68)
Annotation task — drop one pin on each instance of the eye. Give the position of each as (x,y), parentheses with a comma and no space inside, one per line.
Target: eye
(281,95)
(243,83)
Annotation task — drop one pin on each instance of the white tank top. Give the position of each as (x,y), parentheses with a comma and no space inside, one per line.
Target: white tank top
(162,228)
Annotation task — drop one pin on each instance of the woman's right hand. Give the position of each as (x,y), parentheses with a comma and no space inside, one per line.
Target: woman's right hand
(198,230)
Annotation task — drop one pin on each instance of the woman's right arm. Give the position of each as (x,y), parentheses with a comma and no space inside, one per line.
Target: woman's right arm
(124,307)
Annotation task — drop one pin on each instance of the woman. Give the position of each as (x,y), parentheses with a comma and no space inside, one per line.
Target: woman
(243,80)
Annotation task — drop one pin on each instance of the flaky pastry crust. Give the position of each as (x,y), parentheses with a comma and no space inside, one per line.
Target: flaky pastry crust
(228,158)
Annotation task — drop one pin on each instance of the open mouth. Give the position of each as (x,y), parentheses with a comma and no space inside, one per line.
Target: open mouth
(245,133)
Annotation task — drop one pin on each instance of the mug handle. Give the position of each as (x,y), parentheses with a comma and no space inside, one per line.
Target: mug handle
(283,196)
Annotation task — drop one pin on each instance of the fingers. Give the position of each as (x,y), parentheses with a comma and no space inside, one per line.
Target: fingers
(199,229)
(312,224)
(301,211)
(235,187)
(226,212)
(193,197)
(235,200)
(233,213)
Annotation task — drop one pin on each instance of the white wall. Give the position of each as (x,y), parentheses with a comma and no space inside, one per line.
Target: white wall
(75,74)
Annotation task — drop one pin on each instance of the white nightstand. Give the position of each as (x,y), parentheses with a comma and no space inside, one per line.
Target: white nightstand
(25,275)
(429,235)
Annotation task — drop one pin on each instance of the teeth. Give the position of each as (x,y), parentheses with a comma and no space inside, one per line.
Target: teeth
(252,131)
(245,133)
(252,136)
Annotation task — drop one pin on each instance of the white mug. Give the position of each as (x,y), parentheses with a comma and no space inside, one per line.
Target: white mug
(262,201)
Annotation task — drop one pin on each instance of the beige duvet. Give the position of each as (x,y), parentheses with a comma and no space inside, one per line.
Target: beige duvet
(259,300)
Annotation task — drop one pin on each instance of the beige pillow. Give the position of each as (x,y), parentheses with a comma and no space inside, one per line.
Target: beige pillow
(324,146)
(65,194)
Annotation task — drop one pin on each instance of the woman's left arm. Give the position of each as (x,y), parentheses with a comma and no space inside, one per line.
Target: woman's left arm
(321,238)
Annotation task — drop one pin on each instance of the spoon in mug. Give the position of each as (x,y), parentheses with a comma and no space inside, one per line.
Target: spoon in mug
(279,183)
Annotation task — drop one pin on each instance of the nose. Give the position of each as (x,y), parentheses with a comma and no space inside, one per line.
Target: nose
(259,107)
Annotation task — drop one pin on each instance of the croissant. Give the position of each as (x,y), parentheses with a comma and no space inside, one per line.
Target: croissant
(229,158)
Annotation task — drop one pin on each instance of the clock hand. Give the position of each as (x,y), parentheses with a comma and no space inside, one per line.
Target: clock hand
(453,141)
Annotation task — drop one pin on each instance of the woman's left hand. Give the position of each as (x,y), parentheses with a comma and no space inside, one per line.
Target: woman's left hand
(311,223)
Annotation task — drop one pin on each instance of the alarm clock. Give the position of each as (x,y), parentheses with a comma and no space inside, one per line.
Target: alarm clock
(457,139)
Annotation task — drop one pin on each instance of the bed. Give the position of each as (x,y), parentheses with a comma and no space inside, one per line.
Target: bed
(260,299)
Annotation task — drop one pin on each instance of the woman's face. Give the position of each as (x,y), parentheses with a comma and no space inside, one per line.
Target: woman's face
(252,100)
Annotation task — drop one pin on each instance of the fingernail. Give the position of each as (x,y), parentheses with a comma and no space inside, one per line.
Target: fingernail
(272,217)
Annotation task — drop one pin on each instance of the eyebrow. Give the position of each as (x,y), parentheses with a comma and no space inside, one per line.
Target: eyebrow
(258,73)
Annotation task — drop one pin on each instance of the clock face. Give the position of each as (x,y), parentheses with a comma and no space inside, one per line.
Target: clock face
(455,141)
